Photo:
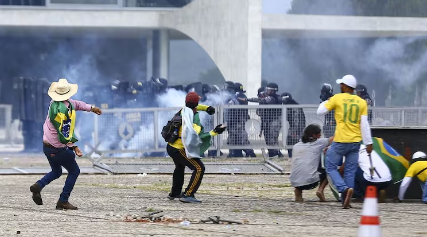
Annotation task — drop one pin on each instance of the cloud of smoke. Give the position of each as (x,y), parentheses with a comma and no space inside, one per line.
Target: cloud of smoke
(390,56)
(301,66)
(144,134)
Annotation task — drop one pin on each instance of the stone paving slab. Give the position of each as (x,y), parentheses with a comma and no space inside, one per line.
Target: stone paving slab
(265,201)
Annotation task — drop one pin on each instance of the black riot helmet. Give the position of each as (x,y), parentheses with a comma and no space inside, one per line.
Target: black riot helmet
(286,98)
(229,87)
(361,90)
(206,89)
(215,89)
(115,85)
(326,92)
(271,89)
(158,84)
(138,85)
(239,87)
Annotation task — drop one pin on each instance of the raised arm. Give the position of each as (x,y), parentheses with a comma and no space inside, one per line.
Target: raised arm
(326,106)
(80,105)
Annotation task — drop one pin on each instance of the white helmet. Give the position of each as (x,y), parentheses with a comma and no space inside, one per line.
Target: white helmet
(419,154)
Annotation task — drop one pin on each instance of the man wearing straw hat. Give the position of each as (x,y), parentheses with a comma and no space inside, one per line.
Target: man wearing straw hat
(59,139)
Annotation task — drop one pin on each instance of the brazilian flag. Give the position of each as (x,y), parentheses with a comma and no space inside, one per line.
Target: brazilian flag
(63,119)
(395,162)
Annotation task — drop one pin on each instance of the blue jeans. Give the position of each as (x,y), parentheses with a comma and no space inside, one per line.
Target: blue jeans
(58,158)
(361,184)
(425,192)
(334,157)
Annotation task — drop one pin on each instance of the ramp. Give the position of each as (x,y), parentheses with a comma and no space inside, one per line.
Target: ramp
(268,167)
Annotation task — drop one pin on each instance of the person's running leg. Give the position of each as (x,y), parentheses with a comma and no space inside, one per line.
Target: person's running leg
(178,173)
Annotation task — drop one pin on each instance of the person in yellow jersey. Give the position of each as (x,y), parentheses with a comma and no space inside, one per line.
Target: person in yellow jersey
(418,169)
(351,116)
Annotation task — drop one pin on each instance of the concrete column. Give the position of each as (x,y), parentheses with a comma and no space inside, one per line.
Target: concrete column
(149,59)
(164,53)
(161,53)
(229,31)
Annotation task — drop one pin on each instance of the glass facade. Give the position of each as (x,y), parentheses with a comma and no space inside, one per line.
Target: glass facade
(100,3)
(97,2)
(23,2)
(389,8)
(156,3)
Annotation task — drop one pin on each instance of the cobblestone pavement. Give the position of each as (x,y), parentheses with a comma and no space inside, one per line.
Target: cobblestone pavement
(264,202)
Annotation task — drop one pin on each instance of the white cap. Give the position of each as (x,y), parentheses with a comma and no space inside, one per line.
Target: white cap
(348,80)
(419,154)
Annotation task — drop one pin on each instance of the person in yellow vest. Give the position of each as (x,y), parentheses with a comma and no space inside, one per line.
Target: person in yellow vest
(418,169)
(351,116)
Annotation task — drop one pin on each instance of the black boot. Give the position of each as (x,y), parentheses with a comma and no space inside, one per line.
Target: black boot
(37,197)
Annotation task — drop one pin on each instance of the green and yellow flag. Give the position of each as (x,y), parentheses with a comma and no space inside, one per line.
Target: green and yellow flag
(395,162)
(63,119)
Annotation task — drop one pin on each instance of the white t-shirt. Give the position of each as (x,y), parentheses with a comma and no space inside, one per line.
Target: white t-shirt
(377,162)
(305,162)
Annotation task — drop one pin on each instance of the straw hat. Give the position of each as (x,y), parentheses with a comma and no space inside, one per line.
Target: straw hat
(62,90)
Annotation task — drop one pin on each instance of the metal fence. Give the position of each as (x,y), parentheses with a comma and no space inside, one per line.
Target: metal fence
(136,132)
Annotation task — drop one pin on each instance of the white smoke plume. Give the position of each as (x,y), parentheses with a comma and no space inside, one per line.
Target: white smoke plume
(298,65)
(143,137)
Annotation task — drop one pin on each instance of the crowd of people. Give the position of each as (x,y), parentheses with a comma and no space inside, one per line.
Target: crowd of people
(187,139)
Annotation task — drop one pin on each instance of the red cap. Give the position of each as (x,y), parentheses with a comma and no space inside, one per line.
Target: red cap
(192,97)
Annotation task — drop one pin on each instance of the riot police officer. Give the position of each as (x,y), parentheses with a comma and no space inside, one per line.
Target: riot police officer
(329,125)
(296,119)
(362,92)
(237,118)
(270,118)
(119,89)
(230,115)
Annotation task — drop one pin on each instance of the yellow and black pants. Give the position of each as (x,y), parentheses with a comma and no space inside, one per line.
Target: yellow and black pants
(181,161)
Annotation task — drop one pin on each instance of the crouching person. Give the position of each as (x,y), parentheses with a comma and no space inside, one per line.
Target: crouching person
(186,150)
(306,163)
(59,139)
(380,178)
(418,168)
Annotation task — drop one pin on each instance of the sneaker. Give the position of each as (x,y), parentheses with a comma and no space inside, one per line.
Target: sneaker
(346,197)
(189,199)
(37,197)
(65,206)
(173,197)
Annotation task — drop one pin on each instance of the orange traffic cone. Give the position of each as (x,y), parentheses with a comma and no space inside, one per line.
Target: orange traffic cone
(370,221)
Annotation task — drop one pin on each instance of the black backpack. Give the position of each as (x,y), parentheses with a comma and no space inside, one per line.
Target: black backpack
(170,132)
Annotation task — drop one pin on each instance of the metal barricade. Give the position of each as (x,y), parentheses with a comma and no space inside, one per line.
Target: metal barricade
(250,127)
(137,132)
